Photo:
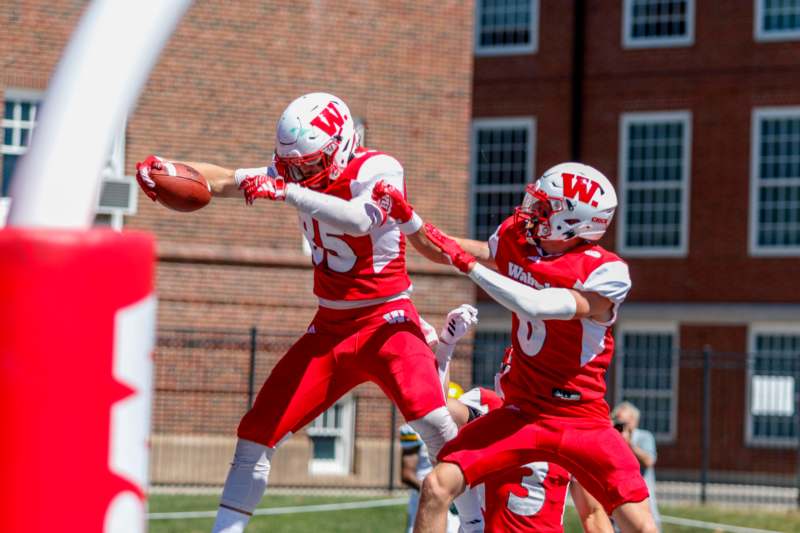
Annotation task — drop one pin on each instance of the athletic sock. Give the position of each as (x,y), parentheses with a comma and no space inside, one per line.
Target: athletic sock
(230,521)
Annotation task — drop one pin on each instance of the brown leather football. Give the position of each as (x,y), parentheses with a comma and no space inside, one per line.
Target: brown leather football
(180,187)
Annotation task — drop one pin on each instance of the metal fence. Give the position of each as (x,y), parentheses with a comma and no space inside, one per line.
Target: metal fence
(726,423)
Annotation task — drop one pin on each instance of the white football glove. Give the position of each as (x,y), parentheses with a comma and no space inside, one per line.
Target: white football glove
(459,320)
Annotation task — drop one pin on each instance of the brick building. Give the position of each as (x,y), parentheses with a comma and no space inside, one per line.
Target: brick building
(228,71)
(691,107)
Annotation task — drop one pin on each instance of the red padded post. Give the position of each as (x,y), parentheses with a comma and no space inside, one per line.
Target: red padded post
(77,330)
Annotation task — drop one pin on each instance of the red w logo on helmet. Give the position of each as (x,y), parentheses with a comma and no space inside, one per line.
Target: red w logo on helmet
(580,188)
(329,120)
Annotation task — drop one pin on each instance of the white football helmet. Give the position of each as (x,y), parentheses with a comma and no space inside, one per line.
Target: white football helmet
(568,200)
(315,139)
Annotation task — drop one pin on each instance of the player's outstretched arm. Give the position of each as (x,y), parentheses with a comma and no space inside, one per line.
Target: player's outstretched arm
(395,204)
(525,301)
(593,517)
(356,216)
(220,179)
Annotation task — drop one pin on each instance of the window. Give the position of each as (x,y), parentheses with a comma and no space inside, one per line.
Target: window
(487,355)
(775,182)
(502,163)
(773,371)
(658,23)
(117,192)
(506,27)
(331,435)
(777,20)
(647,374)
(654,183)
(19,120)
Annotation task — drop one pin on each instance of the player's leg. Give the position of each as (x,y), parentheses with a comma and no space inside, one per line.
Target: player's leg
(635,516)
(300,387)
(497,441)
(603,463)
(439,489)
(401,363)
(397,358)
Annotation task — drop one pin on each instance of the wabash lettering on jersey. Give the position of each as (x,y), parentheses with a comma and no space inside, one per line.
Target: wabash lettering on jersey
(560,364)
(358,267)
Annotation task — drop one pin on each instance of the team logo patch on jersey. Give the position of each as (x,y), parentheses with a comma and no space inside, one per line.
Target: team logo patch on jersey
(398,316)
(564,394)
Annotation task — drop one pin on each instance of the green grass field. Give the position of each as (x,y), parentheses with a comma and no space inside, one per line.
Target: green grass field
(391,519)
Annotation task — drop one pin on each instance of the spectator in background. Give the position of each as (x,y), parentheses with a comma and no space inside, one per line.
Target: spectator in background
(643,444)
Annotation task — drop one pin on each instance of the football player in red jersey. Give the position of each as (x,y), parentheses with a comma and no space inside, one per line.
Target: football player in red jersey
(366,328)
(564,291)
(530,497)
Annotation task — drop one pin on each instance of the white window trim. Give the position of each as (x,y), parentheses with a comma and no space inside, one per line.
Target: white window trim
(5,207)
(518,49)
(114,171)
(626,119)
(642,326)
(758,113)
(753,330)
(343,461)
(628,41)
(762,35)
(496,122)
(27,95)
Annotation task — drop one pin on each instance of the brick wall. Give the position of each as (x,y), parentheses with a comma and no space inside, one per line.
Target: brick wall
(719,79)
(405,68)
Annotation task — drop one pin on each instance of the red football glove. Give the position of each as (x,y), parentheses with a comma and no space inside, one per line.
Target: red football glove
(270,187)
(458,257)
(143,169)
(392,201)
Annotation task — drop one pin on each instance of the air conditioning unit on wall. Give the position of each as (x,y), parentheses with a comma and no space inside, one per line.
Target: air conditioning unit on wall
(116,196)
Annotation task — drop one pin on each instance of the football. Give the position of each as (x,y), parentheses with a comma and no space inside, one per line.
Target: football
(180,187)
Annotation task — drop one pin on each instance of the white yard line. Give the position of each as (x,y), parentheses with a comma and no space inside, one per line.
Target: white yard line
(320,508)
(712,525)
(391,502)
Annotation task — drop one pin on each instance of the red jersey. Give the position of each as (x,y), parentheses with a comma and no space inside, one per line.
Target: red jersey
(530,497)
(560,365)
(359,267)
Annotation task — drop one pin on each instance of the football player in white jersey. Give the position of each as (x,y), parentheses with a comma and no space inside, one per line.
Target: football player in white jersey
(366,328)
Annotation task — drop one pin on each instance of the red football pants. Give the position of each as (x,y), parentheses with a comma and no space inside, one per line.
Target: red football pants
(343,348)
(590,449)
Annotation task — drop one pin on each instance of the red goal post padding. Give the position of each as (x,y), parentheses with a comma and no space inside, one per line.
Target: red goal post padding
(77,326)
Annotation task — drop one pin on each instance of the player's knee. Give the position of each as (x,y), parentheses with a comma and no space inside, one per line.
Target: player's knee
(435,428)
(443,484)
(648,525)
(434,493)
(248,475)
